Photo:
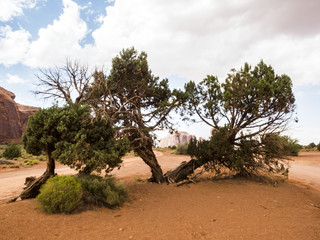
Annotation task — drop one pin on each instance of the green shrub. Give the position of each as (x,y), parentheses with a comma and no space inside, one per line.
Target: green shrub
(311,145)
(12,151)
(135,154)
(102,191)
(182,149)
(138,179)
(60,194)
(290,146)
(34,162)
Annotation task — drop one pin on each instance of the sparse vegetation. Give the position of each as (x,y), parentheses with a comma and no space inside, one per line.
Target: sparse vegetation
(12,151)
(26,160)
(64,194)
(138,179)
(290,146)
(102,191)
(311,145)
(60,194)
(182,149)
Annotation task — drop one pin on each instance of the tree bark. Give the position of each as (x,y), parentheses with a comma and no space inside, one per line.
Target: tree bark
(148,156)
(33,184)
(182,172)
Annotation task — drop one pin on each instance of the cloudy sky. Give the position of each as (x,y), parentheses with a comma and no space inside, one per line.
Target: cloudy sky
(185,40)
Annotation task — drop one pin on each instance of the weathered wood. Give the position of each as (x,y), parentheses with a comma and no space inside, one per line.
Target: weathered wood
(148,156)
(33,184)
(33,187)
(182,172)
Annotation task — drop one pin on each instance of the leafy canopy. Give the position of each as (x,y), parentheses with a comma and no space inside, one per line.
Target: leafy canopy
(247,112)
(72,136)
(133,97)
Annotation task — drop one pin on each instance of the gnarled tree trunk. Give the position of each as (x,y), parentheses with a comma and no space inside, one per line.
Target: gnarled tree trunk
(33,184)
(175,175)
(148,156)
(182,172)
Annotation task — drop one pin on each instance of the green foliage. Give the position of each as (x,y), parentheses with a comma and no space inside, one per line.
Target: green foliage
(102,191)
(161,149)
(182,149)
(247,112)
(132,88)
(138,179)
(311,145)
(291,146)
(60,194)
(72,136)
(245,158)
(318,146)
(12,151)
(34,162)
(6,162)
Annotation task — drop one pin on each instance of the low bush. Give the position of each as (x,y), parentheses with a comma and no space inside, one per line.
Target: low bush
(291,146)
(102,191)
(34,162)
(14,166)
(6,162)
(12,151)
(138,179)
(182,149)
(60,194)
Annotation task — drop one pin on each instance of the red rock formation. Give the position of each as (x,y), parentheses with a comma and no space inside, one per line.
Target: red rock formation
(25,112)
(13,117)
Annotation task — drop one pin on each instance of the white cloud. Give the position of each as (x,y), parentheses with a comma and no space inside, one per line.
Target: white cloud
(13,45)
(298,58)
(59,40)
(12,8)
(194,38)
(184,38)
(14,79)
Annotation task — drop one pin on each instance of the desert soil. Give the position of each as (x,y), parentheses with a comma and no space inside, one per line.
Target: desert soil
(210,209)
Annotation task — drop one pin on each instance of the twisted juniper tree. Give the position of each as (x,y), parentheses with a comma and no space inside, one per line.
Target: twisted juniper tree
(134,100)
(247,113)
(138,102)
(72,136)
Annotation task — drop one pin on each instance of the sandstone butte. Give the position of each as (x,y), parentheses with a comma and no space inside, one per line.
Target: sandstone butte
(13,117)
(175,139)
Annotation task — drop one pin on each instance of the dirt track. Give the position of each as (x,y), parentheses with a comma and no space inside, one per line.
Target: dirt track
(226,209)
(304,170)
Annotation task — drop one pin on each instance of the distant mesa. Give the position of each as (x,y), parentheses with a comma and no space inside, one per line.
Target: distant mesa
(175,139)
(13,117)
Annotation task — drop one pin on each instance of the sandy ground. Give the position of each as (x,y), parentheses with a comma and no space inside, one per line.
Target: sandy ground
(305,169)
(211,209)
